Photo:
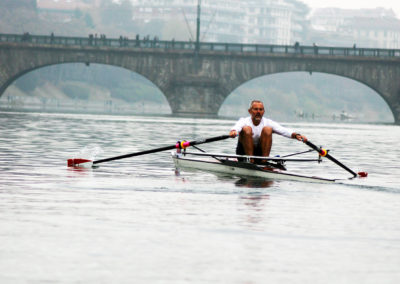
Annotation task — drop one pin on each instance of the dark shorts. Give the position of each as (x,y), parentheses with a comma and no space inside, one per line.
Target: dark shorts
(240,150)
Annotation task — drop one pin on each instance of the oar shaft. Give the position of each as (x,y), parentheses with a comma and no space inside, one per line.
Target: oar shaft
(327,155)
(208,140)
(166,148)
(135,154)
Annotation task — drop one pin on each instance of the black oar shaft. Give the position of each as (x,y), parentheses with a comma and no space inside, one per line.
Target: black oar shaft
(327,155)
(166,148)
(135,154)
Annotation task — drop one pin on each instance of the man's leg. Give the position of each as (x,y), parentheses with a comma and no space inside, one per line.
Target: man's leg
(246,139)
(266,141)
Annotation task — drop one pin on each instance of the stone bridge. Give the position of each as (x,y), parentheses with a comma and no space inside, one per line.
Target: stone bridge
(197,82)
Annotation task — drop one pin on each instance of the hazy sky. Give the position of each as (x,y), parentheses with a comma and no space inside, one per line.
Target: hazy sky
(355,4)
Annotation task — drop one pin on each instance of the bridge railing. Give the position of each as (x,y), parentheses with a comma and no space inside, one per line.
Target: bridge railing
(124,42)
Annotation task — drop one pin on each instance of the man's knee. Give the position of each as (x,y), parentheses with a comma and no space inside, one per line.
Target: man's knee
(267,131)
(246,131)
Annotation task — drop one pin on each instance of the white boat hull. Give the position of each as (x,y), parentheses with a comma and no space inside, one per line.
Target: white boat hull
(242,169)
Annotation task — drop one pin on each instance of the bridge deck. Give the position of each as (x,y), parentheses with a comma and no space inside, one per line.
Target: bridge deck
(209,46)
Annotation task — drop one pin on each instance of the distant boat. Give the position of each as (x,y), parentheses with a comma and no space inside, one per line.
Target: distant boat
(344,116)
(302,114)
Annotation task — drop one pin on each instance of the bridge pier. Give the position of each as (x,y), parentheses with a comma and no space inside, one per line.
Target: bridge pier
(195,95)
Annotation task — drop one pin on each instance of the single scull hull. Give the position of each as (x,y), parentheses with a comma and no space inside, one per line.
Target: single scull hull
(242,169)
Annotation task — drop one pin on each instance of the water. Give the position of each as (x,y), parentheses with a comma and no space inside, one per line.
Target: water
(138,221)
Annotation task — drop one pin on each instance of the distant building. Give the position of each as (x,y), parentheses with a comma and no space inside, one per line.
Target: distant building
(331,19)
(378,32)
(268,22)
(275,21)
(221,20)
(251,21)
(375,28)
(64,10)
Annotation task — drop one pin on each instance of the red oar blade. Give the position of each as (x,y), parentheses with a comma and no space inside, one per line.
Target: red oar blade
(362,174)
(80,163)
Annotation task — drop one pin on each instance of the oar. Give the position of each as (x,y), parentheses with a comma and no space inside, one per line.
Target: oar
(177,145)
(324,153)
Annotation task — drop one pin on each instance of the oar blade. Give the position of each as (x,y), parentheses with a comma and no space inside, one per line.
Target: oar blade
(362,174)
(80,163)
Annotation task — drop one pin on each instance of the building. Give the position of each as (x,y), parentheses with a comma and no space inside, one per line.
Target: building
(374,28)
(221,20)
(252,21)
(375,33)
(275,21)
(332,19)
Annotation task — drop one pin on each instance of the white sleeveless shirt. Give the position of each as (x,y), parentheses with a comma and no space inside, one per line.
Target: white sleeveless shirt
(276,127)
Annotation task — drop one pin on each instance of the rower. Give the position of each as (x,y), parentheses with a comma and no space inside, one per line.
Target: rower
(255,132)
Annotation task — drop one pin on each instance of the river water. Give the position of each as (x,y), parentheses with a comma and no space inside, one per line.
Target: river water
(139,220)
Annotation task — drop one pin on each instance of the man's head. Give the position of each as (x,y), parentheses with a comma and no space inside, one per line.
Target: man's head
(256,111)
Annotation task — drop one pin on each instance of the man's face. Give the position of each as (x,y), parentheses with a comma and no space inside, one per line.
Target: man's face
(256,111)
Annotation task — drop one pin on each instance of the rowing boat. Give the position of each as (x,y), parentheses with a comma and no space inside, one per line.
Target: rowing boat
(265,167)
(222,164)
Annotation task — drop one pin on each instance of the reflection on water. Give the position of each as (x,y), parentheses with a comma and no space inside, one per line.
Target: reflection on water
(250,182)
(254,206)
(139,220)
(255,200)
(254,183)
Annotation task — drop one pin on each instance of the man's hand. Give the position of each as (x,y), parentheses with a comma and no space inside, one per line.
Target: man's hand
(299,137)
(233,133)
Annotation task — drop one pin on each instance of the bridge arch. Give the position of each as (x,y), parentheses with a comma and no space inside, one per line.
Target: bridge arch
(70,66)
(379,76)
(290,93)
